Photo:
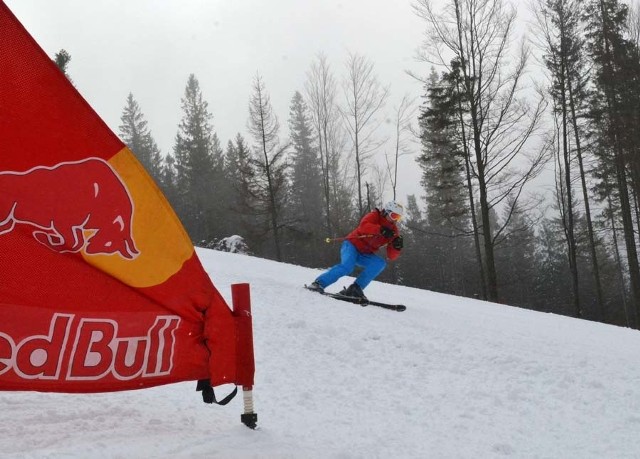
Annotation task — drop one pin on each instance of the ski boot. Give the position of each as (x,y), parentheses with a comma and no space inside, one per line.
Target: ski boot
(354,291)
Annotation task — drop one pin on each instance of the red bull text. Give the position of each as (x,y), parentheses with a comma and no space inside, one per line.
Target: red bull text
(90,350)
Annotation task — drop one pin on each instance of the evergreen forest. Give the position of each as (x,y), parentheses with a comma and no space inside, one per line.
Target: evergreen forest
(498,111)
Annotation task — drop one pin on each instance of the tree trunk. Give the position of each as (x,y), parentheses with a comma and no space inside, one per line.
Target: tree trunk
(618,259)
(472,206)
(568,220)
(587,207)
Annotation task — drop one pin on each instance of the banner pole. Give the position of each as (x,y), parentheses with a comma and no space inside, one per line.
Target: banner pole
(241,298)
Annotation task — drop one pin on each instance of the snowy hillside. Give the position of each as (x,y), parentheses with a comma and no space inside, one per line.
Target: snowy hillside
(448,378)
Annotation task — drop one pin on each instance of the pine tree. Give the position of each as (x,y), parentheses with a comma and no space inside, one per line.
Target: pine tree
(242,204)
(442,163)
(168,181)
(551,292)
(135,133)
(442,159)
(306,203)
(614,108)
(199,163)
(62,59)
(516,259)
(416,251)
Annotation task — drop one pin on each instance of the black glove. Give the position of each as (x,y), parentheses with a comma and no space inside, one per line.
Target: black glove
(386,232)
(397,243)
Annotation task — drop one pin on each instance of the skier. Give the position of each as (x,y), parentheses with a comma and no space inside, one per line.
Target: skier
(376,230)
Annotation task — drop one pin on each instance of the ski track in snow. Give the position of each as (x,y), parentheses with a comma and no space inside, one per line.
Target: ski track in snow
(449,378)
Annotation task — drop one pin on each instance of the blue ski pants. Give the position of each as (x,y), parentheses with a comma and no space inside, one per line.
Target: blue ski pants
(349,259)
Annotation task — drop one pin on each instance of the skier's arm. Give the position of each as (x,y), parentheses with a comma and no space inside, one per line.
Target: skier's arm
(394,249)
(369,225)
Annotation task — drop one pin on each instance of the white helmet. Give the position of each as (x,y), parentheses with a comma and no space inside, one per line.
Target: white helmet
(393,210)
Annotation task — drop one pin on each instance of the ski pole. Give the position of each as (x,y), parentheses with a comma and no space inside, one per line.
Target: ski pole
(338,239)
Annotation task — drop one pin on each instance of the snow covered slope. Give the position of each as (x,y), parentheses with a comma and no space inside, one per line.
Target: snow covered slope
(448,378)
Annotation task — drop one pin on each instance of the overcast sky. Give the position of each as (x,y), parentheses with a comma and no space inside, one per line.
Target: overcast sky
(149,48)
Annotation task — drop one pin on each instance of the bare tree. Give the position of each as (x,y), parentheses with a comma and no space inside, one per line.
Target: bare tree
(558,24)
(320,89)
(376,186)
(403,135)
(364,98)
(500,123)
(270,161)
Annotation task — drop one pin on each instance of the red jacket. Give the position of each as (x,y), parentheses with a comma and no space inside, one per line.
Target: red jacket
(370,226)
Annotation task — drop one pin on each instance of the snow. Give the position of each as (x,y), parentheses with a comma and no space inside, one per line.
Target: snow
(449,378)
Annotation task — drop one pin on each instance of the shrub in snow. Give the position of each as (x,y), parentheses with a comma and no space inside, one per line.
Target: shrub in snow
(233,244)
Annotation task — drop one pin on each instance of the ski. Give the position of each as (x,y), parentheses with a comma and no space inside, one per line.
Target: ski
(393,307)
(361,302)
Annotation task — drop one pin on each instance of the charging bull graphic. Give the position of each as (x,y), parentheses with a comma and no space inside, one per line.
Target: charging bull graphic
(73,206)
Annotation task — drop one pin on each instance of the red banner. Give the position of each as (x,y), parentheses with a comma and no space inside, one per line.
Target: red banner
(100,286)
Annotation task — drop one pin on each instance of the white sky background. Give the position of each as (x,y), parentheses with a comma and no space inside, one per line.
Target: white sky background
(149,48)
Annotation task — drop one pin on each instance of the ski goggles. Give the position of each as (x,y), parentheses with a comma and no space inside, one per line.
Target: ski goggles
(394,216)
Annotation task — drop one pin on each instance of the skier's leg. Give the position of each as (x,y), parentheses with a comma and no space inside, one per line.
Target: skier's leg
(348,256)
(373,265)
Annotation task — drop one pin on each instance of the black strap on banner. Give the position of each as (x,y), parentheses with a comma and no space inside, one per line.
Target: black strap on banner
(209,396)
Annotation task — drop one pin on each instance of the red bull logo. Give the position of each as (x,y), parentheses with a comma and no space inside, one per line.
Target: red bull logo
(89,350)
(73,206)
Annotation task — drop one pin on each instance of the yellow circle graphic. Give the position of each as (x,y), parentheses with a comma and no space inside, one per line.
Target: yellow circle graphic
(160,239)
